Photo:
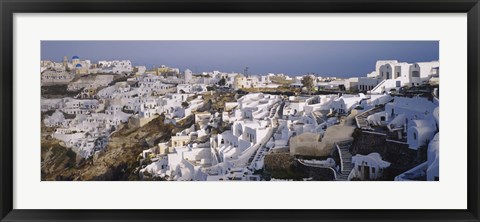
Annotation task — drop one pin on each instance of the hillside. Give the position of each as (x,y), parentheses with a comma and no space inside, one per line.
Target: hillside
(117,162)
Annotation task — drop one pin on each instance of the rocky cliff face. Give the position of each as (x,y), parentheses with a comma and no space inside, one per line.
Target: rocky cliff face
(216,102)
(57,161)
(117,162)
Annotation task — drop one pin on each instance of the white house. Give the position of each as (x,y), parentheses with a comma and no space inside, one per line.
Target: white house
(346,103)
(416,117)
(51,104)
(139,70)
(421,72)
(117,66)
(396,74)
(381,63)
(123,66)
(420,132)
(56,76)
(240,82)
(414,108)
(368,167)
(188,76)
(56,119)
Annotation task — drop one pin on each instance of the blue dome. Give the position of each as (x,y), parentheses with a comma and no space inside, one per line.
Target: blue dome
(75,57)
(78,65)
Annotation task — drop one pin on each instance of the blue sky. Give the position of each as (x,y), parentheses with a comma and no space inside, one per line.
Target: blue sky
(326,58)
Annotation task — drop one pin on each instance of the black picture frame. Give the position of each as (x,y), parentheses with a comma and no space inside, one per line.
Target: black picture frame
(9,7)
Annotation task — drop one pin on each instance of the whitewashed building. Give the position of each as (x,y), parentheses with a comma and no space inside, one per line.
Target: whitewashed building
(368,167)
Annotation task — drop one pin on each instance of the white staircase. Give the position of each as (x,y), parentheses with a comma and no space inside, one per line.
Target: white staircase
(378,89)
(346,164)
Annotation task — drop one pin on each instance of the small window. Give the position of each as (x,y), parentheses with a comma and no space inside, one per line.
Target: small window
(415,136)
(373,170)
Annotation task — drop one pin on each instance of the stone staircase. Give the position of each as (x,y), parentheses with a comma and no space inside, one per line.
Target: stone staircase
(361,118)
(273,110)
(252,157)
(346,164)
(263,149)
(258,155)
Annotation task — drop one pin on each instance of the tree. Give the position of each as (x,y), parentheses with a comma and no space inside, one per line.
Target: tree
(222,81)
(308,82)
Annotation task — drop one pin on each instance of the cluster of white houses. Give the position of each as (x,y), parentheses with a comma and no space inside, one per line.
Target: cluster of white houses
(77,66)
(263,123)
(388,75)
(258,123)
(413,122)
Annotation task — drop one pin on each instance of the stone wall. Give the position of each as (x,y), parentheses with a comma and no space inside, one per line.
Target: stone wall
(284,166)
(281,166)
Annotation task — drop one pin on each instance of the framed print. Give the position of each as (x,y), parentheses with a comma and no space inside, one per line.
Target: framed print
(230,110)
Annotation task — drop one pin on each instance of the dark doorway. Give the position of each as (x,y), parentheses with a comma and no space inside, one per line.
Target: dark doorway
(366,172)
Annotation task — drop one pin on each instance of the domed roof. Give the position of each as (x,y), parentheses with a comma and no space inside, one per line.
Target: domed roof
(78,65)
(75,57)
(421,123)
